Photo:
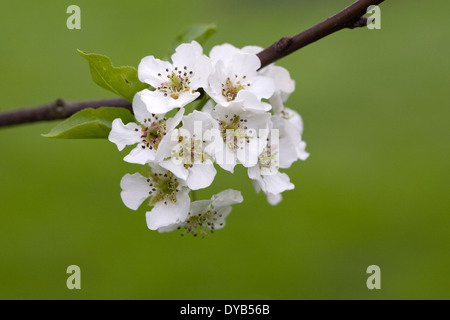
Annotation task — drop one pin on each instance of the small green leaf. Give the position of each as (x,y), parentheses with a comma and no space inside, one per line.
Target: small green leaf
(197,104)
(199,33)
(123,81)
(90,123)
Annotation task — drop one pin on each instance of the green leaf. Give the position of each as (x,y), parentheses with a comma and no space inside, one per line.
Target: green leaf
(199,33)
(197,104)
(123,81)
(90,123)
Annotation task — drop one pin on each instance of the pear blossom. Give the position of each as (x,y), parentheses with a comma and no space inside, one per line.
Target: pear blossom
(176,84)
(168,195)
(281,152)
(272,199)
(284,85)
(235,78)
(266,176)
(241,135)
(151,130)
(245,122)
(290,126)
(207,215)
(184,154)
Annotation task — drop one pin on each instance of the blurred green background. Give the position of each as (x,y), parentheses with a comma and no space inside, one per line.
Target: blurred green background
(375,189)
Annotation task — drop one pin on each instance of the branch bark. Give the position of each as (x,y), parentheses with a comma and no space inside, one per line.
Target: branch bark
(58,109)
(350,17)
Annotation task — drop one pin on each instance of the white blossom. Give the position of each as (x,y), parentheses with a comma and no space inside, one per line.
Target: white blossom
(151,130)
(241,135)
(235,78)
(284,85)
(266,176)
(290,126)
(176,84)
(184,153)
(207,215)
(168,195)
(244,123)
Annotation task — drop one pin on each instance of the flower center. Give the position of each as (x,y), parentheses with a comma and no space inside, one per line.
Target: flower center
(231,88)
(153,130)
(201,223)
(268,161)
(233,131)
(164,188)
(189,151)
(175,82)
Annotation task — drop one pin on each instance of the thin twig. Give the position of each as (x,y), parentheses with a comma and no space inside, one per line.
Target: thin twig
(350,17)
(58,109)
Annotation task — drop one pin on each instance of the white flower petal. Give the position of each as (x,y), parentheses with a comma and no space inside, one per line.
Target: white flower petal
(190,55)
(274,199)
(254,172)
(186,54)
(225,158)
(256,186)
(216,79)
(262,87)
(171,123)
(295,119)
(223,52)
(167,145)
(141,155)
(277,183)
(209,107)
(170,227)
(198,117)
(150,67)
(226,198)
(163,215)
(291,145)
(289,139)
(252,49)
(201,175)
(124,135)
(201,72)
(199,207)
(177,169)
(140,109)
(155,102)
(182,100)
(282,79)
(250,101)
(221,214)
(135,189)
(244,64)
(301,152)
(259,121)
(277,103)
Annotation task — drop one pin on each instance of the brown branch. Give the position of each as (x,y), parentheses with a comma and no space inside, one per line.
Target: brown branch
(350,17)
(58,109)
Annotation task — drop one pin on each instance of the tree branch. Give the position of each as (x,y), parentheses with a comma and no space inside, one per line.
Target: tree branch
(350,17)
(58,109)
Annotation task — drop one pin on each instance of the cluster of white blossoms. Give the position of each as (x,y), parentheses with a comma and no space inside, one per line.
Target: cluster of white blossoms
(243,122)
